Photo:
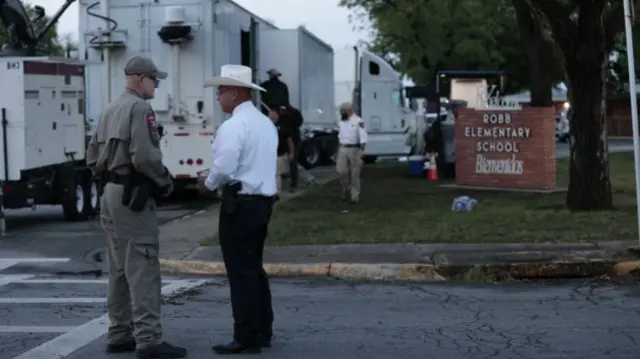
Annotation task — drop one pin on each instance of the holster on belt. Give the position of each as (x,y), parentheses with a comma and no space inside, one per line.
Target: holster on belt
(102,181)
(230,196)
(138,188)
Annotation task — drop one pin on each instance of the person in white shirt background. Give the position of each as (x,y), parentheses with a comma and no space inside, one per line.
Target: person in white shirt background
(353,139)
(244,167)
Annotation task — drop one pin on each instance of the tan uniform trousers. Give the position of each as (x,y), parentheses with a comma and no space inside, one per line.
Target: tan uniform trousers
(282,168)
(134,292)
(348,165)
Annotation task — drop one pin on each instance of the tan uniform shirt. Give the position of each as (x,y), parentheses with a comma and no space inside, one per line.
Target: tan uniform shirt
(352,131)
(127,135)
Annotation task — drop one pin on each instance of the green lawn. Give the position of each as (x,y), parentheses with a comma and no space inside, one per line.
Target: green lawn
(396,208)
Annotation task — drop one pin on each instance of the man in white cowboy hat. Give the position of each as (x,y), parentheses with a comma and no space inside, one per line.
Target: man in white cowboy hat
(244,167)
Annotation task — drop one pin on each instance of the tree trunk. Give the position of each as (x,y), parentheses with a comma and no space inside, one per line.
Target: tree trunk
(589,183)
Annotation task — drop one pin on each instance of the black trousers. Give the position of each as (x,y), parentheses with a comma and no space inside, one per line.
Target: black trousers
(242,232)
(293,166)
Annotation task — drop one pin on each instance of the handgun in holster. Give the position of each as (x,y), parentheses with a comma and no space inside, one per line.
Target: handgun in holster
(230,196)
(138,188)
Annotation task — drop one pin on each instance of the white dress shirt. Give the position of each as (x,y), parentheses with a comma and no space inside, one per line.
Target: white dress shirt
(245,151)
(352,131)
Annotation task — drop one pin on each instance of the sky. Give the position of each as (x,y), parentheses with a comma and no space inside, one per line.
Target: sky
(322,17)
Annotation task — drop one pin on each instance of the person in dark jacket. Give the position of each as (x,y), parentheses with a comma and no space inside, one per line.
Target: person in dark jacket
(292,118)
(277,93)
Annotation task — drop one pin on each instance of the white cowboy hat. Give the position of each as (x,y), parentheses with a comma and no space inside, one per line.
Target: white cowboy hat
(234,75)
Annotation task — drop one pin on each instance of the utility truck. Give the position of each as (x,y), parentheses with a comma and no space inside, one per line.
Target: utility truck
(43,120)
(189,40)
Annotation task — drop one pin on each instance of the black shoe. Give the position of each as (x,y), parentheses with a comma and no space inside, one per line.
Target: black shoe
(266,343)
(236,348)
(163,350)
(124,347)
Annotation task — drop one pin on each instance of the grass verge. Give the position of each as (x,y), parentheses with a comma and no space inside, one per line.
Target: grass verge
(397,208)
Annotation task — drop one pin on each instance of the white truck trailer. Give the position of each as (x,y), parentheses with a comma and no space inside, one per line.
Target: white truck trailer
(376,90)
(43,122)
(191,41)
(306,64)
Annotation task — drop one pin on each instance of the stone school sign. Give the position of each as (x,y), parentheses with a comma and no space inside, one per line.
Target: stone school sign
(506,148)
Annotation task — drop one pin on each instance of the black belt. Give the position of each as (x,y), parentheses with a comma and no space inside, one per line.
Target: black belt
(249,197)
(117,178)
(350,146)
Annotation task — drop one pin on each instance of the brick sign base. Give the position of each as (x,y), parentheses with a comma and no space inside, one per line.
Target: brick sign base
(506,148)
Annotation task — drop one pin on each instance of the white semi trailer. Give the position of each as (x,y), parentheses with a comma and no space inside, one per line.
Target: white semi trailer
(306,64)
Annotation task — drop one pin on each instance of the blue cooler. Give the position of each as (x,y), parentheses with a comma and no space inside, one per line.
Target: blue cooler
(416,165)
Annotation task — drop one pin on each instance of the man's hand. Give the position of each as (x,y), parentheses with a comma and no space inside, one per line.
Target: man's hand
(202,188)
(274,116)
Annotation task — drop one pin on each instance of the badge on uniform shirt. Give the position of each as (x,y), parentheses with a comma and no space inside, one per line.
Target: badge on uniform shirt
(361,124)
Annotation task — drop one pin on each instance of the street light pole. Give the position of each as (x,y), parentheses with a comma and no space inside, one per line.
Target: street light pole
(628,19)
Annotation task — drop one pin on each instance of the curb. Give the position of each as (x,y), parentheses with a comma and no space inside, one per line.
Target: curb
(378,271)
(419,272)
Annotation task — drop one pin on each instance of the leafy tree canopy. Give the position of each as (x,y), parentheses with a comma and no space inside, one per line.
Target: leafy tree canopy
(421,36)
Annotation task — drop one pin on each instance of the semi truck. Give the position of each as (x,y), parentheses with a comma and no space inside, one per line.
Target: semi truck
(42,111)
(376,90)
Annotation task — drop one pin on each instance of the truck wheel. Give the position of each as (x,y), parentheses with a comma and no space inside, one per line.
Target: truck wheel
(74,204)
(369,159)
(92,199)
(309,154)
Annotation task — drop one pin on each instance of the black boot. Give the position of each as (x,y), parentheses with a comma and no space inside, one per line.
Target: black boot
(236,348)
(124,347)
(163,350)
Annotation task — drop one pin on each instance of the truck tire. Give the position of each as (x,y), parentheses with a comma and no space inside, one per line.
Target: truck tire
(93,198)
(75,202)
(329,150)
(310,154)
(369,159)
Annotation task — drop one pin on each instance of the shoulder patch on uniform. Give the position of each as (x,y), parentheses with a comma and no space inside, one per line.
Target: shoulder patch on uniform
(361,124)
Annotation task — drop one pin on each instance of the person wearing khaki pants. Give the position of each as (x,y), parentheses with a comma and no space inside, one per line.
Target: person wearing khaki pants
(353,139)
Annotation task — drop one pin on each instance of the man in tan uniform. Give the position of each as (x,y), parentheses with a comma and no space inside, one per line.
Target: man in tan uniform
(353,139)
(126,146)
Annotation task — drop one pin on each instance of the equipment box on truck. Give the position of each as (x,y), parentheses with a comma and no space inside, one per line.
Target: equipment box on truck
(43,136)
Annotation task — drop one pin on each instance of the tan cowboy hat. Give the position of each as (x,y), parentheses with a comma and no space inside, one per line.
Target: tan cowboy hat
(234,75)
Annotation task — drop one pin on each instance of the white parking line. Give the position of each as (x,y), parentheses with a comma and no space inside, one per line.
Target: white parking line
(80,336)
(34,329)
(58,281)
(6,263)
(13,278)
(66,300)
(10,262)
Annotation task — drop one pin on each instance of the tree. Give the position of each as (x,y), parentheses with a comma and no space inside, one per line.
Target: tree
(49,45)
(584,32)
(543,67)
(421,36)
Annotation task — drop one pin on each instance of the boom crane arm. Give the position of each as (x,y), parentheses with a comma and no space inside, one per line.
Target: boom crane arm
(20,27)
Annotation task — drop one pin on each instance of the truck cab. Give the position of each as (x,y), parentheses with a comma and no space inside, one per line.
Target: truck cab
(376,91)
